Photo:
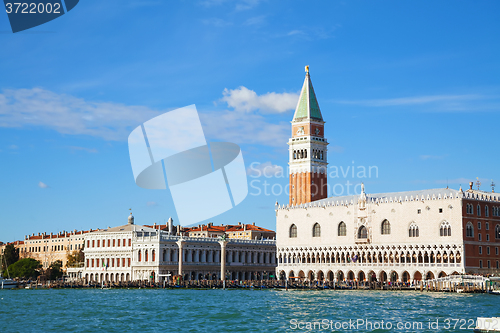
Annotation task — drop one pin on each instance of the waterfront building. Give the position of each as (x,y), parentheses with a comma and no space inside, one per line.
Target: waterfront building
(401,236)
(48,248)
(239,231)
(156,253)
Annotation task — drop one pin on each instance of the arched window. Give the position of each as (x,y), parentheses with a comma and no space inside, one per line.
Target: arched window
(413,230)
(497,231)
(342,229)
(146,255)
(478,210)
(316,230)
(362,232)
(486,211)
(140,255)
(386,228)
(469,230)
(293,231)
(153,255)
(445,229)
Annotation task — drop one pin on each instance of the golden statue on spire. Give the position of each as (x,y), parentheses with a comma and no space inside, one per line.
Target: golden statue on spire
(307,69)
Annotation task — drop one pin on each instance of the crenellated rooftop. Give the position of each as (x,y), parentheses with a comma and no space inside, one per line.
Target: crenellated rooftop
(381,198)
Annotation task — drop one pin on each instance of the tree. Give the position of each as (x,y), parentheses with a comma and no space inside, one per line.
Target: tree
(55,272)
(11,255)
(25,268)
(74,258)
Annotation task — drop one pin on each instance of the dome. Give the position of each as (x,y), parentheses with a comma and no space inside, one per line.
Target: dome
(131,219)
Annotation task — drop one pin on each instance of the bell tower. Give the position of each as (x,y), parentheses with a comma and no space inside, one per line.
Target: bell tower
(307,149)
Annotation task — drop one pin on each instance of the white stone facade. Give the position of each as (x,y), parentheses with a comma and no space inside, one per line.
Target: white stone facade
(414,247)
(140,253)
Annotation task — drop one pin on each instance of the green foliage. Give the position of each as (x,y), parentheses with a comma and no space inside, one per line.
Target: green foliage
(25,268)
(55,270)
(74,258)
(11,255)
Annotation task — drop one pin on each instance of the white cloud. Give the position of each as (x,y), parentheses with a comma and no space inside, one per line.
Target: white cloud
(432,157)
(13,147)
(239,5)
(217,22)
(336,149)
(244,128)
(266,169)
(70,115)
(256,21)
(246,4)
(43,185)
(296,32)
(416,100)
(151,204)
(243,99)
(88,150)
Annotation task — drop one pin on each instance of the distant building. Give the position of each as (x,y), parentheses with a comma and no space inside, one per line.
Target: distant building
(402,236)
(48,248)
(156,253)
(240,231)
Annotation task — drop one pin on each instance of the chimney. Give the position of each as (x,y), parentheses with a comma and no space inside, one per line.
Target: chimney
(170,225)
(244,227)
(253,223)
(470,185)
(239,223)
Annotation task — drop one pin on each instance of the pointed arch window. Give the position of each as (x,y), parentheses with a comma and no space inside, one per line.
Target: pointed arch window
(386,228)
(342,229)
(362,232)
(470,209)
(316,230)
(486,211)
(140,255)
(413,230)
(497,231)
(469,230)
(445,229)
(478,210)
(293,231)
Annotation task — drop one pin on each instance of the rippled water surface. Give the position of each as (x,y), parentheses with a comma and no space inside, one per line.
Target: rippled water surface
(144,310)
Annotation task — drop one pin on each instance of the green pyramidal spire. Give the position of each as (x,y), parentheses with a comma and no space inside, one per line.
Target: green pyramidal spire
(307,107)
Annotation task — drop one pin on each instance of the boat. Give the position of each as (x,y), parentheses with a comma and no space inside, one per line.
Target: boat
(7,283)
(487,325)
(494,287)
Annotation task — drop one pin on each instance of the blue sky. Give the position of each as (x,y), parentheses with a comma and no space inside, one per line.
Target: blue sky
(412,88)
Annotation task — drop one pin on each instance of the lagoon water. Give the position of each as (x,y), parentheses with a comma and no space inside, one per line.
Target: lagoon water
(167,310)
